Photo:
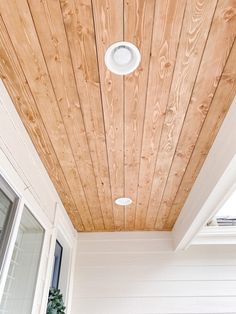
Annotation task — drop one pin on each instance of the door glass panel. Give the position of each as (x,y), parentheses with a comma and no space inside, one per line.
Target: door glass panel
(22,275)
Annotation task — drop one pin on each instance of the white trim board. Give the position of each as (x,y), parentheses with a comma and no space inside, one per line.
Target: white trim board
(216,235)
(216,181)
(125,242)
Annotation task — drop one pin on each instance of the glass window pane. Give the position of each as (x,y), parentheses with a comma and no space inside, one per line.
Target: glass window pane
(5,207)
(226,216)
(22,276)
(8,208)
(57,265)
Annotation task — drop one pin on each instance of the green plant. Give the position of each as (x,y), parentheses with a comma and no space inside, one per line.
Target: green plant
(55,302)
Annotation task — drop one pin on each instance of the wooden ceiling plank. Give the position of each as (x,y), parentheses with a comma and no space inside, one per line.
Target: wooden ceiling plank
(222,100)
(102,136)
(167,26)
(138,17)
(219,44)
(196,25)
(18,88)
(108,21)
(78,20)
(17,17)
(55,48)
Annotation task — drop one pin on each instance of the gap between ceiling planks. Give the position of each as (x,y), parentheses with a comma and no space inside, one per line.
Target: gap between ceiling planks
(167,21)
(108,20)
(138,26)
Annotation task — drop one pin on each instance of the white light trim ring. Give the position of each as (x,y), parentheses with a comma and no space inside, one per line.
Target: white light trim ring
(123,201)
(122,58)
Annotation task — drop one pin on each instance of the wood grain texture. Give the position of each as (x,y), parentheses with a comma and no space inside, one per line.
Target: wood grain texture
(167,21)
(17,86)
(138,17)
(102,136)
(78,20)
(108,16)
(222,100)
(53,41)
(196,25)
(223,30)
(16,15)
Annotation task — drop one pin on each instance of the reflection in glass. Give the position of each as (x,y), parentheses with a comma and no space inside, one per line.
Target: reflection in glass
(57,265)
(8,210)
(5,207)
(226,216)
(22,275)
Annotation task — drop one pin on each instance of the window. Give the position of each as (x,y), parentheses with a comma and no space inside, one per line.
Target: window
(5,208)
(8,206)
(20,286)
(57,265)
(226,216)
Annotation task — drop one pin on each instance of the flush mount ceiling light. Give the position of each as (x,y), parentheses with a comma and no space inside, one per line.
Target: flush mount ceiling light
(122,58)
(123,201)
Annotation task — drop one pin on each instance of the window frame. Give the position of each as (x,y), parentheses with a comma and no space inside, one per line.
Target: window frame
(10,232)
(37,212)
(7,230)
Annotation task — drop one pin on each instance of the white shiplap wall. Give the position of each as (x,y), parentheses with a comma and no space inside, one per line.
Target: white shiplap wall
(140,273)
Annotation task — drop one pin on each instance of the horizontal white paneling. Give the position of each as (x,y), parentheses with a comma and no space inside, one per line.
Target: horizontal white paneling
(161,273)
(195,257)
(155,288)
(140,244)
(122,274)
(192,305)
(118,236)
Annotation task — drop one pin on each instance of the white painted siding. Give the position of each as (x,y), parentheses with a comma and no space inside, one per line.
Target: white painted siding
(140,274)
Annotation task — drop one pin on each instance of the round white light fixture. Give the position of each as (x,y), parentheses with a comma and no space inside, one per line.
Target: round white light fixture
(123,201)
(122,58)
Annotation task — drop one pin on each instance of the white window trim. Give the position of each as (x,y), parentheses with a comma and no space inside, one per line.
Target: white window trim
(216,235)
(10,248)
(214,184)
(69,244)
(44,222)
(51,233)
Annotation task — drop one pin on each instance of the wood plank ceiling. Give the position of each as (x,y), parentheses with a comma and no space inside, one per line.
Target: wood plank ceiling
(102,136)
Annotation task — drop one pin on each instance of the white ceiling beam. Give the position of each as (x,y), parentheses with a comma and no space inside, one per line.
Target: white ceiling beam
(214,184)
